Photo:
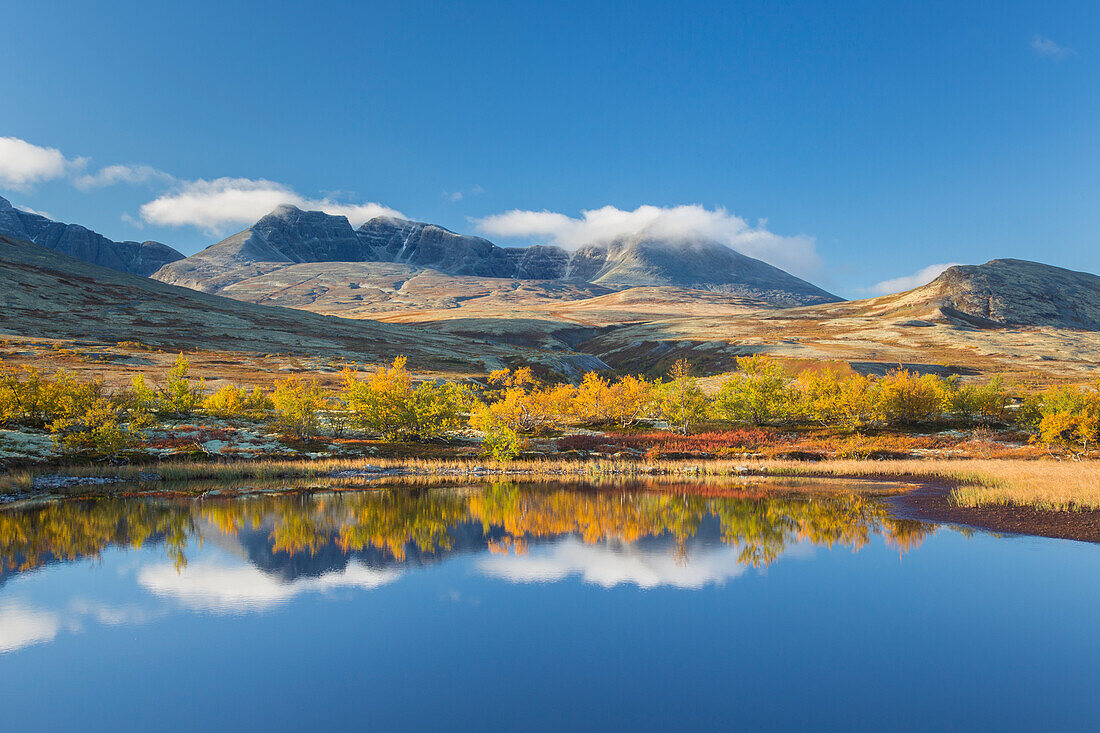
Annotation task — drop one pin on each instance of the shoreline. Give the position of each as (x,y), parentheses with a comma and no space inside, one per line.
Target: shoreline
(932,503)
(966,492)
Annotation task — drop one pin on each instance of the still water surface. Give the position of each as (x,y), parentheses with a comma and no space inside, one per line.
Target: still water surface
(536,607)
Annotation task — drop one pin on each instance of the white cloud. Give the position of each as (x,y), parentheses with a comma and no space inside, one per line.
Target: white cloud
(607,565)
(908,282)
(29,210)
(795,254)
(22,164)
(115,174)
(22,626)
(454,196)
(213,587)
(1046,48)
(225,202)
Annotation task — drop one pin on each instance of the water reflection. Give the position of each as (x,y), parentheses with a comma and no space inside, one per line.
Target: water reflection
(565,605)
(300,535)
(255,553)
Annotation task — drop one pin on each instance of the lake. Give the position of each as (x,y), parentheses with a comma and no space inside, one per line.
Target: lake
(537,607)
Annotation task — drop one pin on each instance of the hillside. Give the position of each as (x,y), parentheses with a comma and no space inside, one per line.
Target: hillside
(1034,321)
(288,237)
(138,258)
(47,295)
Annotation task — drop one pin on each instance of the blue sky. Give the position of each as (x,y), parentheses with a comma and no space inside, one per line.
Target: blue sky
(854,142)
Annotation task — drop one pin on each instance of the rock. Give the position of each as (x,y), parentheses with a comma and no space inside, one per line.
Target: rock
(58,481)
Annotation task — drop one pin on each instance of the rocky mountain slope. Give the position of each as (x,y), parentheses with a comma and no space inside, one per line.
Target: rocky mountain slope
(139,258)
(289,236)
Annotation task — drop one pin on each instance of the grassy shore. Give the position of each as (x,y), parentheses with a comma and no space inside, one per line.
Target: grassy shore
(1045,484)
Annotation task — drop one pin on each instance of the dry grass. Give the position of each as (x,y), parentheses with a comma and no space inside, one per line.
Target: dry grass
(1052,485)
(1046,484)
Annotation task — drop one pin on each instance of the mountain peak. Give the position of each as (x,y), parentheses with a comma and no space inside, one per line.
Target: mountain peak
(284,210)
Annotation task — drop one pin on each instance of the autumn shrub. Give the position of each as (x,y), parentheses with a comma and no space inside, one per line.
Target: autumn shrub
(500,441)
(28,397)
(1070,417)
(389,404)
(757,394)
(82,416)
(101,428)
(904,397)
(985,403)
(827,399)
(520,402)
(297,405)
(234,403)
(90,421)
(631,401)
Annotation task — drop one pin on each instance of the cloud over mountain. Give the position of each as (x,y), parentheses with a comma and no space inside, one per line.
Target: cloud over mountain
(221,203)
(795,254)
(908,282)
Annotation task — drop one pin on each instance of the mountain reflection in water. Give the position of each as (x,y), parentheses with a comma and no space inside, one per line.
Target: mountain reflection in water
(538,606)
(300,536)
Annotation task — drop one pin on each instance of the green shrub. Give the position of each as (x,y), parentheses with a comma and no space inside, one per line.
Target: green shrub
(297,406)
(680,400)
(178,397)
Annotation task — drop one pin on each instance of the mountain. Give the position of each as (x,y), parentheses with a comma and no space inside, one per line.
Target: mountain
(138,258)
(1011,293)
(697,264)
(48,295)
(289,236)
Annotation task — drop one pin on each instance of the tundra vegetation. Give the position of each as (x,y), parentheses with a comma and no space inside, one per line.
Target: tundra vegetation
(761,403)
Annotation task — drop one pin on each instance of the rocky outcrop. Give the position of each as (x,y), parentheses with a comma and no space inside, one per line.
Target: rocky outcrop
(1014,293)
(138,258)
(290,236)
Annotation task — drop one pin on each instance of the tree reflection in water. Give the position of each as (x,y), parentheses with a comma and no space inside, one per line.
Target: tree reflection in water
(396,522)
